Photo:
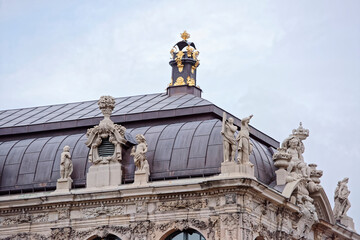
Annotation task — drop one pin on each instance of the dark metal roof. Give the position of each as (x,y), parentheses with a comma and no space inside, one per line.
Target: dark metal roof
(90,109)
(143,109)
(177,150)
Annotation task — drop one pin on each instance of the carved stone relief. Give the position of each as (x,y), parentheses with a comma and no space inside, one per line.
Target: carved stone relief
(106,129)
(102,210)
(230,198)
(25,217)
(182,204)
(26,236)
(109,138)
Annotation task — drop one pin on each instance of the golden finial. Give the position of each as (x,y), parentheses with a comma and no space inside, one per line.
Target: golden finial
(185,35)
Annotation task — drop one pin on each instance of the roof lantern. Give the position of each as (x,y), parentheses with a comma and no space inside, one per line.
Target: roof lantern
(184,62)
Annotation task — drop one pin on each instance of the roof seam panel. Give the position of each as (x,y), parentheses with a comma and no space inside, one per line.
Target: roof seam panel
(136,99)
(77,111)
(192,138)
(16,124)
(14,117)
(180,96)
(7,155)
(167,97)
(58,107)
(22,158)
(208,141)
(147,100)
(37,162)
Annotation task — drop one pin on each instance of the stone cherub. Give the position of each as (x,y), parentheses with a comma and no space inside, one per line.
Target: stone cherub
(294,147)
(243,138)
(139,154)
(229,141)
(342,203)
(66,166)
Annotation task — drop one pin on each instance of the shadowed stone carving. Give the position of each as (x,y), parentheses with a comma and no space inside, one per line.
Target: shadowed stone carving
(142,166)
(105,142)
(342,204)
(229,141)
(107,131)
(243,139)
(66,168)
(300,179)
(241,143)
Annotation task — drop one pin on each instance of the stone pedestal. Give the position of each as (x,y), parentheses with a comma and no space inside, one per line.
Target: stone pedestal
(229,168)
(237,170)
(281,175)
(247,170)
(103,175)
(63,184)
(141,177)
(347,222)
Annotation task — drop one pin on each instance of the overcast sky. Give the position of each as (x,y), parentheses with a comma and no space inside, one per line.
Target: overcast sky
(283,61)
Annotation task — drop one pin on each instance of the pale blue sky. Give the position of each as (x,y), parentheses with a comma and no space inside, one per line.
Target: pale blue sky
(283,61)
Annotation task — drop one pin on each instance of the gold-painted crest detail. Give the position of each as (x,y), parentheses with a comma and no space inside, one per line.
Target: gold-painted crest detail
(190,81)
(179,81)
(185,35)
(189,51)
(195,55)
(178,58)
(193,68)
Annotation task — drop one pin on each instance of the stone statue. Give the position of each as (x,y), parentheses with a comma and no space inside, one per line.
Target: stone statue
(139,154)
(66,166)
(342,203)
(243,138)
(229,142)
(295,147)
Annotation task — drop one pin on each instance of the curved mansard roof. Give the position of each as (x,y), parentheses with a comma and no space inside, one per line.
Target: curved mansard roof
(182,132)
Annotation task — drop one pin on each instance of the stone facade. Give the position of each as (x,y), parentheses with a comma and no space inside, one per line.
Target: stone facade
(236,208)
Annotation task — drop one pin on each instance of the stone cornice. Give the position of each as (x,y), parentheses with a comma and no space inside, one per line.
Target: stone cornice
(186,188)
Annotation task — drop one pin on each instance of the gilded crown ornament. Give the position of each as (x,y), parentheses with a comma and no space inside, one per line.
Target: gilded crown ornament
(185,35)
(184,62)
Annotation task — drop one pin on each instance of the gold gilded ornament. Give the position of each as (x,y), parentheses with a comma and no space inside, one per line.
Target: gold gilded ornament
(185,35)
(178,58)
(179,81)
(190,81)
(195,55)
(189,51)
(172,52)
(193,68)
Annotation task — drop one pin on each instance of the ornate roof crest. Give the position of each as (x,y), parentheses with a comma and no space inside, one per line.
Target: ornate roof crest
(107,134)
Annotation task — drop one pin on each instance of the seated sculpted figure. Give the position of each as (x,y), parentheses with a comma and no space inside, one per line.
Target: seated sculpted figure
(293,147)
(66,166)
(229,142)
(139,154)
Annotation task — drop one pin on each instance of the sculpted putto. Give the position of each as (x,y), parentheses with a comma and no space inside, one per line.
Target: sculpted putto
(243,138)
(139,154)
(66,166)
(342,203)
